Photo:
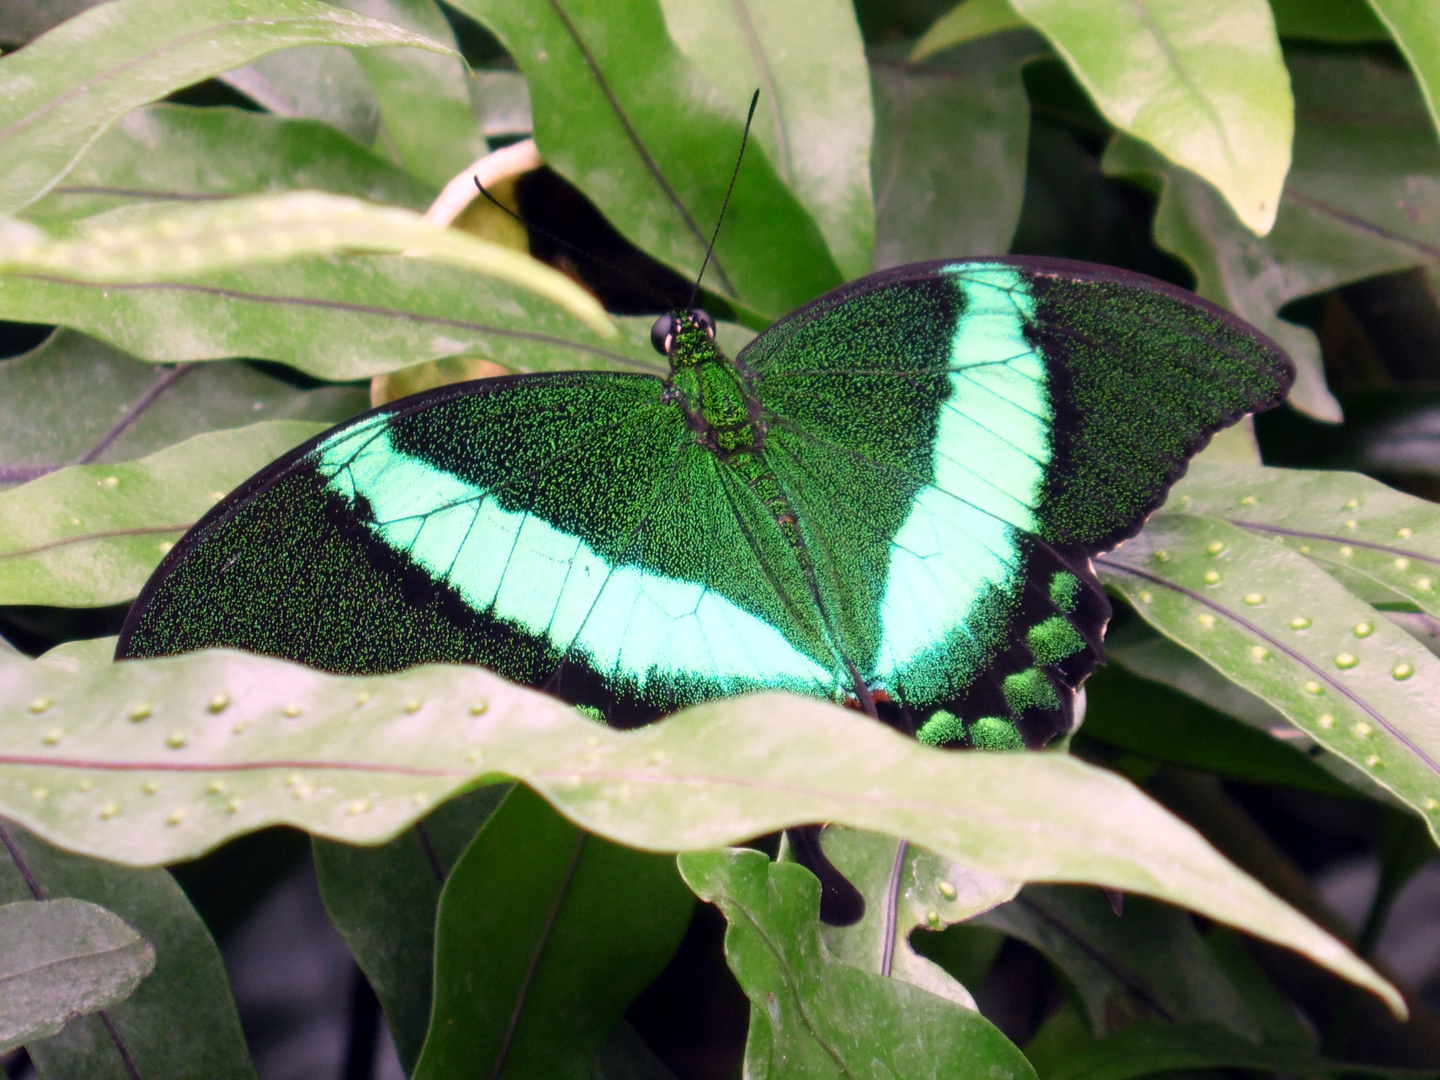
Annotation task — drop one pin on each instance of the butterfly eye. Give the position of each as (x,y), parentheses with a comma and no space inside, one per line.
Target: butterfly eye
(662,334)
(704,321)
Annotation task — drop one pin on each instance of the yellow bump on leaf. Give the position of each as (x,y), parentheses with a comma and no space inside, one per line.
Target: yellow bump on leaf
(1402,670)
(175,740)
(1212,576)
(1300,622)
(1254,598)
(1352,523)
(947,890)
(1363,629)
(150,787)
(477,708)
(357,806)
(1432,805)
(657,758)
(473,756)
(1373,760)
(1402,563)
(362,697)
(232,806)
(111,482)
(53,736)
(140,712)
(1327,721)
(1363,730)
(219,703)
(1304,549)
(1145,597)
(292,710)
(1404,533)
(1424,584)
(420,799)
(85,785)
(165,546)
(39,794)
(74,521)
(40,704)
(412,706)
(239,729)
(1162,555)
(1346,660)
(1215,547)
(932,917)
(1249,500)
(175,818)
(1353,504)
(1313,687)
(1346,551)
(218,787)
(109,810)
(1259,652)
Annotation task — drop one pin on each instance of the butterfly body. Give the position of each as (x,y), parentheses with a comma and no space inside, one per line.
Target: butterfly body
(889,497)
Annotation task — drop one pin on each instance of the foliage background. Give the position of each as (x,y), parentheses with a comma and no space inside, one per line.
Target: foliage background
(190,289)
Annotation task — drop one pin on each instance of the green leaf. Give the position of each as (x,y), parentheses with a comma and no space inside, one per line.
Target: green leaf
(61,91)
(173,152)
(74,395)
(181,1020)
(1150,1047)
(545,936)
(1338,21)
(383,901)
(1205,86)
(312,82)
(814,1016)
(342,318)
(1415,27)
(502,102)
(90,535)
(641,130)
(905,887)
(62,959)
(361,759)
(949,156)
(426,120)
(165,242)
(1362,199)
(815,118)
(1270,620)
(1148,961)
(1131,713)
(966,21)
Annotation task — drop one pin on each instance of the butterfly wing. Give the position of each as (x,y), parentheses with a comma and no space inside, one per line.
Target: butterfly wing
(563,530)
(958,439)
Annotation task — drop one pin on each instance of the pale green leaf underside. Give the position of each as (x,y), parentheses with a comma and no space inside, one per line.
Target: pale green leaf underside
(964,22)
(232,743)
(164,242)
(61,91)
(90,535)
(1415,27)
(1204,84)
(1270,620)
(60,959)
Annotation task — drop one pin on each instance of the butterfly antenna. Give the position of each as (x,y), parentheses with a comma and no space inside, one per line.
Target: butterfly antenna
(695,290)
(640,283)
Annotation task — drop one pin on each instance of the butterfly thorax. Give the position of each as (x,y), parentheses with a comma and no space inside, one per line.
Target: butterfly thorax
(719,407)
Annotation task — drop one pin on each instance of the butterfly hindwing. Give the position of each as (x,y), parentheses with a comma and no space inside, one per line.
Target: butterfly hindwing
(1018,416)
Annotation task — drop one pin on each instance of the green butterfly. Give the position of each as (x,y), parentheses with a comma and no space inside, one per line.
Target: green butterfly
(890,499)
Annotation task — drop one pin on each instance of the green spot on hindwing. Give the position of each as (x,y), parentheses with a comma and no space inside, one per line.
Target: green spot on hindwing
(1029,689)
(1064,590)
(1053,640)
(943,727)
(995,733)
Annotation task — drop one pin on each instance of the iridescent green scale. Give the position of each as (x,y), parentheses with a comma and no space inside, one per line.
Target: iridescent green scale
(890,498)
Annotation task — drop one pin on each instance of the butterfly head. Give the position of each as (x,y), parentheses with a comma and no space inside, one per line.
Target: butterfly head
(684,337)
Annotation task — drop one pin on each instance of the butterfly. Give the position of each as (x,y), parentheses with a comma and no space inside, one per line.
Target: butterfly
(888,499)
